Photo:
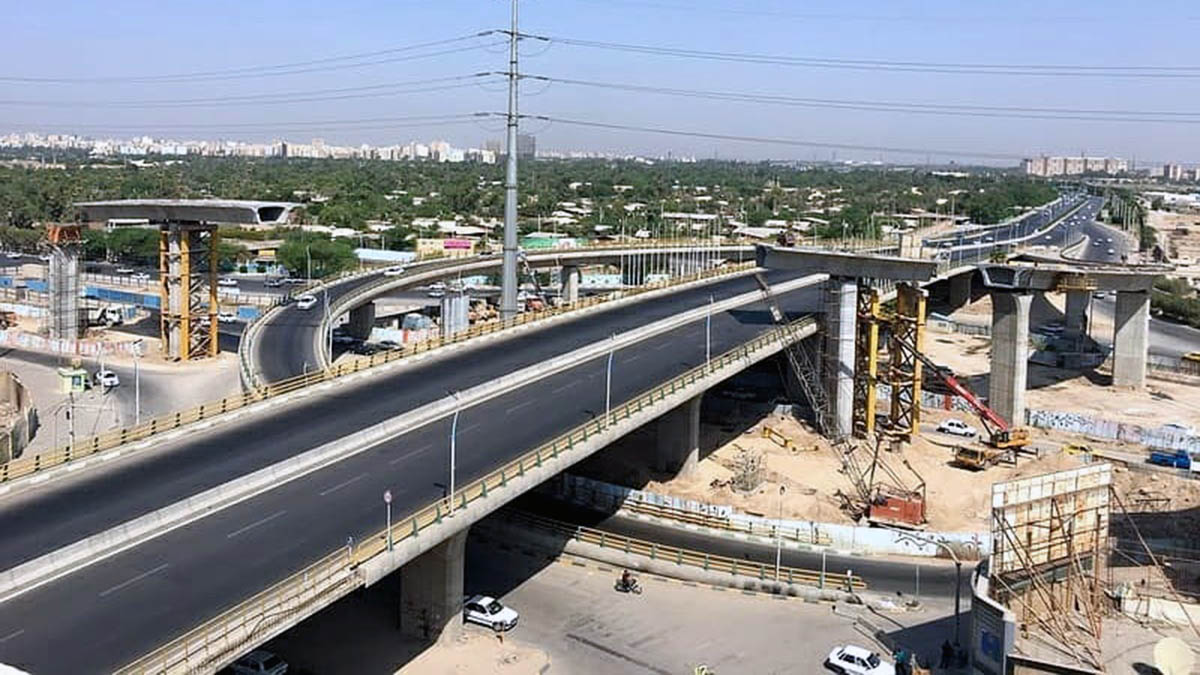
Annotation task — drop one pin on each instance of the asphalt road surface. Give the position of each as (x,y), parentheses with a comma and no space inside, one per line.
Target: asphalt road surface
(1001,233)
(136,599)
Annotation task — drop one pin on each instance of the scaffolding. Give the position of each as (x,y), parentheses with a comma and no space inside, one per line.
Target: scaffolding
(1049,536)
(904,373)
(188,277)
(866,361)
(62,282)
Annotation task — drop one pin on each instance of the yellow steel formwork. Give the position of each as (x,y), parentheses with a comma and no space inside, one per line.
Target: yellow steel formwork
(187,255)
(908,337)
(866,361)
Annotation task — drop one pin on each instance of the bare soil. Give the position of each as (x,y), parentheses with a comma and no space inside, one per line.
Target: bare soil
(477,653)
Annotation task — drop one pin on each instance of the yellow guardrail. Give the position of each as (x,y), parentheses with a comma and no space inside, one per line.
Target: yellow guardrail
(225,635)
(85,447)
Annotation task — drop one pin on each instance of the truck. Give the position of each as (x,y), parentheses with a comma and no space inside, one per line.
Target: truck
(1178,459)
(105,316)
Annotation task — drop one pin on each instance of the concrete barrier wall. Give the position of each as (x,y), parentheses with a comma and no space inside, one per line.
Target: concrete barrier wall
(851,538)
(37,343)
(1159,437)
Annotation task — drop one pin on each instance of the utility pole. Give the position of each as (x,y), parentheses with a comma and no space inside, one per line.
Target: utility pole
(508,271)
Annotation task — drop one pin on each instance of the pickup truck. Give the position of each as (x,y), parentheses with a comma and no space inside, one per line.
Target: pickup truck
(1178,459)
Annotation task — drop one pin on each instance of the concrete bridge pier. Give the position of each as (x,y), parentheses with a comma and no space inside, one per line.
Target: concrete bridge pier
(677,450)
(570,284)
(960,290)
(362,320)
(1076,315)
(1131,333)
(1010,354)
(841,317)
(431,592)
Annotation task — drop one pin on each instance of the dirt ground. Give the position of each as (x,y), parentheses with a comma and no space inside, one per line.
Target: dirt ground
(1182,232)
(476,653)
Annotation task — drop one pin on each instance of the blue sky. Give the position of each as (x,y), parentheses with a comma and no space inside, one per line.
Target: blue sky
(122,38)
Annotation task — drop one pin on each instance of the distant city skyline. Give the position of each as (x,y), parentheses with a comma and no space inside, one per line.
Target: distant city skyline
(763,80)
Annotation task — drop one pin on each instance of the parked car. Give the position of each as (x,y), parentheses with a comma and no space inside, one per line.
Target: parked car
(107,379)
(853,660)
(227,282)
(958,428)
(226,317)
(487,611)
(293,280)
(365,348)
(120,270)
(140,276)
(390,344)
(259,662)
(273,283)
(306,302)
(393,271)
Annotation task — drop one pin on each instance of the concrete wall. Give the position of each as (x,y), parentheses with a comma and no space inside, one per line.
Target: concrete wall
(18,417)
(1113,429)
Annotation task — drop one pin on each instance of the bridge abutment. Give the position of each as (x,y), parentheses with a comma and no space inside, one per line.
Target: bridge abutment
(431,592)
(677,449)
(361,321)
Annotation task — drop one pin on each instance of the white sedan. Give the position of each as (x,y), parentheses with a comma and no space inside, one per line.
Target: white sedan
(394,271)
(305,302)
(227,317)
(487,611)
(853,660)
(227,282)
(107,379)
(958,428)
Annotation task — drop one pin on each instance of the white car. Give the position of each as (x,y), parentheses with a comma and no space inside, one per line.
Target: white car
(305,302)
(259,662)
(853,660)
(958,428)
(487,611)
(124,270)
(1111,252)
(140,276)
(1178,428)
(394,271)
(227,282)
(107,379)
(226,317)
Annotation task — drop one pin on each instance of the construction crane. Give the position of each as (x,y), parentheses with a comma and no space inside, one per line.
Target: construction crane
(537,287)
(1000,434)
(879,493)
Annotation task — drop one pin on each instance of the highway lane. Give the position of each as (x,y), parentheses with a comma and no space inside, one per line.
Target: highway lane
(1063,233)
(141,597)
(998,234)
(883,575)
(42,520)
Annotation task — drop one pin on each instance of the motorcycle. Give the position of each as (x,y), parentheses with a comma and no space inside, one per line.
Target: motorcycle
(631,587)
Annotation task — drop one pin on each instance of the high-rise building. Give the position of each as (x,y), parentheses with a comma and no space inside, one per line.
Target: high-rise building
(1172,172)
(526,145)
(1072,166)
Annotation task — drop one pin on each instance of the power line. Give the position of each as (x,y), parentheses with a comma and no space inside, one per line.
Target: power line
(1055,70)
(1075,114)
(922,152)
(359,60)
(366,91)
(354,124)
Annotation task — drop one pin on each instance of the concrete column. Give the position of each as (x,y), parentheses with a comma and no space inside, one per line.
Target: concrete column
(960,290)
(362,320)
(1076,319)
(841,315)
(1131,332)
(677,448)
(455,314)
(431,592)
(1010,354)
(570,284)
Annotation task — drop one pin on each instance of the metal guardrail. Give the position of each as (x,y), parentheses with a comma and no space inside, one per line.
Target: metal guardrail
(219,640)
(86,447)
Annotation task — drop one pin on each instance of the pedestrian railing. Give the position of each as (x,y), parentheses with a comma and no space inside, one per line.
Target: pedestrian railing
(85,447)
(219,640)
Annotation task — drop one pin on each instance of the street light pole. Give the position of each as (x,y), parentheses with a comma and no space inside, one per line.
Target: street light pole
(708,332)
(308,261)
(137,383)
(453,448)
(608,384)
(957,577)
(387,499)
(779,534)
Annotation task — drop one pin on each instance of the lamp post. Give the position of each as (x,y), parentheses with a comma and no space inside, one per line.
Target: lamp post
(137,382)
(387,499)
(708,332)
(779,533)
(957,576)
(608,383)
(453,447)
(308,261)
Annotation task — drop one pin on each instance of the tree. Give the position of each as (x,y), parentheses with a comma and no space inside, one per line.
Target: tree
(327,256)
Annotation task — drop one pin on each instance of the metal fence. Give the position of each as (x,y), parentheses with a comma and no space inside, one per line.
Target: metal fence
(222,638)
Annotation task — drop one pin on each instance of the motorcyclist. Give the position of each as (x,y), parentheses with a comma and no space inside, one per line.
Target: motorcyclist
(626,580)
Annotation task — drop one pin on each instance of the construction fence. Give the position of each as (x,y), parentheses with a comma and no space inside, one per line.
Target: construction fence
(1156,437)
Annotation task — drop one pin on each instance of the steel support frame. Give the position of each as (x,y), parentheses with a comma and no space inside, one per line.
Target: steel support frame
(866,361)
(187,255)
(904,372)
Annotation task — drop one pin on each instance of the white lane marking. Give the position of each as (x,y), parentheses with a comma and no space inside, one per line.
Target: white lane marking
(253,525)
(410,453)
(10,636)
(518,407)
(342,484)
(134,580)
(664,345)
(565,387)
(463,430)
(631,359)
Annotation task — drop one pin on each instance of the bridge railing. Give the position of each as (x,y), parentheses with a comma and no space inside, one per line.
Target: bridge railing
(86,447)
(221,639)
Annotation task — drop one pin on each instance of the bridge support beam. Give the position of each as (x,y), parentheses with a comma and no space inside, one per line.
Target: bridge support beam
(1010,354)
(960,290)
(841,314)
(362,320)
(1131,333)
(570,284)
(431,592)
(677,448)
(1076,315)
